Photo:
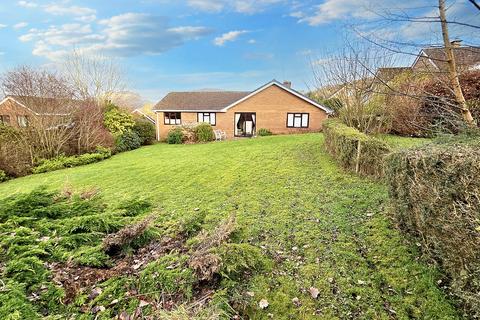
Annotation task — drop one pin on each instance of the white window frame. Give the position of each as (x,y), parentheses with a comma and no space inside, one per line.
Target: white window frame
(172,121)
(22,121)
(212,118)
(298,120)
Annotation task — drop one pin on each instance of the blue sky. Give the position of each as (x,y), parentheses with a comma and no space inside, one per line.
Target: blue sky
(190,44)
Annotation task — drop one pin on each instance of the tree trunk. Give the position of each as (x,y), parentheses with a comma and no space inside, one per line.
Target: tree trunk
(452,68)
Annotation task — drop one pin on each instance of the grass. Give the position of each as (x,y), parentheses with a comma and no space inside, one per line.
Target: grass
(398,142)
(315,225)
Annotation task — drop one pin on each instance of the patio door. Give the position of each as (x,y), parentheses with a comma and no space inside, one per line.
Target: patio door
(245,124)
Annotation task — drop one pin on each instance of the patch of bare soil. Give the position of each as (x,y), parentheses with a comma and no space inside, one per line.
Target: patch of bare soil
(75,279)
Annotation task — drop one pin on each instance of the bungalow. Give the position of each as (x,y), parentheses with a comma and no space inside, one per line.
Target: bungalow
(20,111)
(274,106)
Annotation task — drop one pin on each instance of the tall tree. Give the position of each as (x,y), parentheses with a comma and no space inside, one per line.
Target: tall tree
(452,67)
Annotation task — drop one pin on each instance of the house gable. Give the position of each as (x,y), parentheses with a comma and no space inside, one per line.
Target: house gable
(285,90)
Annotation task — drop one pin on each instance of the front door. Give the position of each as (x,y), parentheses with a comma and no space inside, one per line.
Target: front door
(245,124)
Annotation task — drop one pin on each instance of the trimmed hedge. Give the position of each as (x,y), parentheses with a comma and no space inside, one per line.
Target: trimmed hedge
(353,149)
(63,162)
(435,196)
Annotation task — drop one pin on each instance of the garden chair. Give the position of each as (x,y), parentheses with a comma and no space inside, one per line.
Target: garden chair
(220,135)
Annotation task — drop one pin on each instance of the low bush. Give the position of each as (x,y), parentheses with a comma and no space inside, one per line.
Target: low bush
(129,140)
(354,150)
(262,132)
(175,136)
(434,193)
(63,162)
(204,133)
(145,130)
(3,176)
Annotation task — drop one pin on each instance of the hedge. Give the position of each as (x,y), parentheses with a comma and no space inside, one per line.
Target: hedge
(353,149)
(63,162)
(435,196)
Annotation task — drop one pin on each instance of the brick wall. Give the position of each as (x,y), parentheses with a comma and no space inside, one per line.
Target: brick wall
(271,107)
(13,110)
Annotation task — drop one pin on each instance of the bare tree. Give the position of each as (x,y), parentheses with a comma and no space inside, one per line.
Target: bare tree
(350,76)
(449,76)
(95,77)
(50,102)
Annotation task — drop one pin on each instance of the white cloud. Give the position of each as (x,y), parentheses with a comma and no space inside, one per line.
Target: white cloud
(83,14)
(27,4)
(128,34)
(252,41)
(3,26)
(241,6)
(60,10)
(229,36)
(20,25)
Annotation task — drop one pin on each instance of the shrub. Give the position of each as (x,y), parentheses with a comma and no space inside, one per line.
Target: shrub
(117,121)
(175,136)
(167,275)
(3,176)
(204,133)
(129,140)
(262,132)
(15,156)
(434,193)
(63,162)
(333,103)
(145,130)
(354,150)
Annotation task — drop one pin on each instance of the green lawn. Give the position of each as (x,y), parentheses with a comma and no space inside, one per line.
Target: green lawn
(315,225)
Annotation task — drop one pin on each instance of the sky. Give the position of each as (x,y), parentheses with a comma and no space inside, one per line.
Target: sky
(180,45)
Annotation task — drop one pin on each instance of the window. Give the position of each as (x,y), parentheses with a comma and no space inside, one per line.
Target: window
(297,120)
(207,117)
(4,119)
(172,118)
(22,121)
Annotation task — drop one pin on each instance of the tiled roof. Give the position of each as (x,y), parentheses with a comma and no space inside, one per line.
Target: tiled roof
(199,101)
(465,57)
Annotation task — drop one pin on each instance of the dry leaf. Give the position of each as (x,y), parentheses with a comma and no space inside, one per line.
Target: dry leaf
(314,292)
(263,304)
(296,302)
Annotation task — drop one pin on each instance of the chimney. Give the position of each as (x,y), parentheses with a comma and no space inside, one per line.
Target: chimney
(456,43)
(287,84)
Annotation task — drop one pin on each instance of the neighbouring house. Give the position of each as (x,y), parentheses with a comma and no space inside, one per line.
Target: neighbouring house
(147,114)
(434,59)
(19,111)
(274,106)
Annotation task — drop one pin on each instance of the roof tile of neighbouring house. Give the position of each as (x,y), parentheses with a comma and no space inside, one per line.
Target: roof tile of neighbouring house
(199,101)
(464,56)
(43,105)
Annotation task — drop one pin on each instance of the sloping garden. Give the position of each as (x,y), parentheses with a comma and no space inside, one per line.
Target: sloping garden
(252,229)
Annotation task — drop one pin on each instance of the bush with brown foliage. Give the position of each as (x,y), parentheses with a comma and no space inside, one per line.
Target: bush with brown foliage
(435,196)
(15,158)
(424,106)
